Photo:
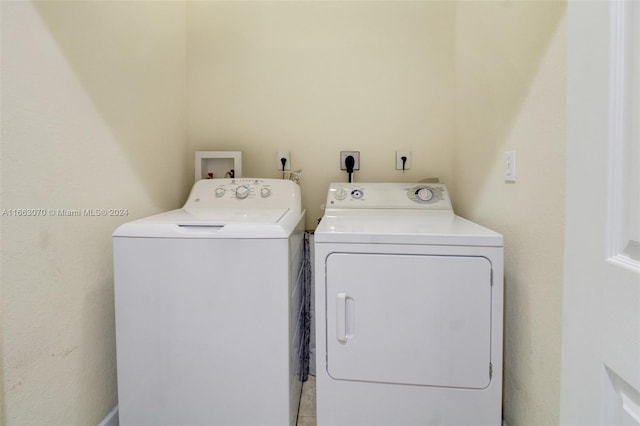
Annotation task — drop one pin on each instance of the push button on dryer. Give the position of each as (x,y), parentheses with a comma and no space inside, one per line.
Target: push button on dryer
(341,194)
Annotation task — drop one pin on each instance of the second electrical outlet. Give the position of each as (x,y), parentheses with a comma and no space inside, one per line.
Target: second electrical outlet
(287,160)
(356,158)
(403,160)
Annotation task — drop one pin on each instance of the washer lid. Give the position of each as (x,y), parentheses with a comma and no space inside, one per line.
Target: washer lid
(404,227)
(213,223)
(225,216)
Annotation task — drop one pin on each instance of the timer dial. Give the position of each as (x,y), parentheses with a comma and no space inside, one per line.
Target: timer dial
(242,192)
(424,194)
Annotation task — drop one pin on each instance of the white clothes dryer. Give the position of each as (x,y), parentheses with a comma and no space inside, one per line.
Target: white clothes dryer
(208,308)
(409,309)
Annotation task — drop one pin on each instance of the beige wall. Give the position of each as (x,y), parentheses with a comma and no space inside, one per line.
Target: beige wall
(510,95)
(93,116)
(315,78)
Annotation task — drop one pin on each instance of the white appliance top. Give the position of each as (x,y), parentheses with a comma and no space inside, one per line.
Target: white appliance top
(397,213)
(226,208)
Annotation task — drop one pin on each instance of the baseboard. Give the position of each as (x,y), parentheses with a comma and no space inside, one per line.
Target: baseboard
(111,419)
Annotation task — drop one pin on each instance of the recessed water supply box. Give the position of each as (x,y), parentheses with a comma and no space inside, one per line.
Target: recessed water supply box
(218,164)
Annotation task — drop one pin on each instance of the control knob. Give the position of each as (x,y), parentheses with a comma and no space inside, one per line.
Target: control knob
(220,192)
(357,194)
(424,194)
(242,192)
(265,192)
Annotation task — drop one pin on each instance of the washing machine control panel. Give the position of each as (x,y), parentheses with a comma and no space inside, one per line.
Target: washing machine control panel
(426,196)
(244,193)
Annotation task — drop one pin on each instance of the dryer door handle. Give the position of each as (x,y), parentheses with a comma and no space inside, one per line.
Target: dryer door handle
(344,317)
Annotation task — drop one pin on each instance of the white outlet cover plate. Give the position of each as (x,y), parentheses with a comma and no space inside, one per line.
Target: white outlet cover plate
(356,157)
(407,164)
(283,154)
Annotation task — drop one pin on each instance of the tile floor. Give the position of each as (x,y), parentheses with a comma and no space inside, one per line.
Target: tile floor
(307,411)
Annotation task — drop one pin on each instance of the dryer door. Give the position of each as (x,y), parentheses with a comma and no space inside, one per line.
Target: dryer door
(409,319)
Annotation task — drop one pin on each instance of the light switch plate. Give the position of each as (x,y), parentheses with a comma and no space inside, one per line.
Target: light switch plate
(510,166)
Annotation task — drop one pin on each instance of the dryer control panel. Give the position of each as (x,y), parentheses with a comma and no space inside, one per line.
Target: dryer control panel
(421,196)
(246,193)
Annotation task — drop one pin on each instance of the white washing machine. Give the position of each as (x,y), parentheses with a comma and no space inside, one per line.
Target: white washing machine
(208,308)
(409,306)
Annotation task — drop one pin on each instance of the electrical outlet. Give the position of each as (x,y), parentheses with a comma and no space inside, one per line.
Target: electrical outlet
(356,157)
(407,163)
(285,155)
(510,166)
